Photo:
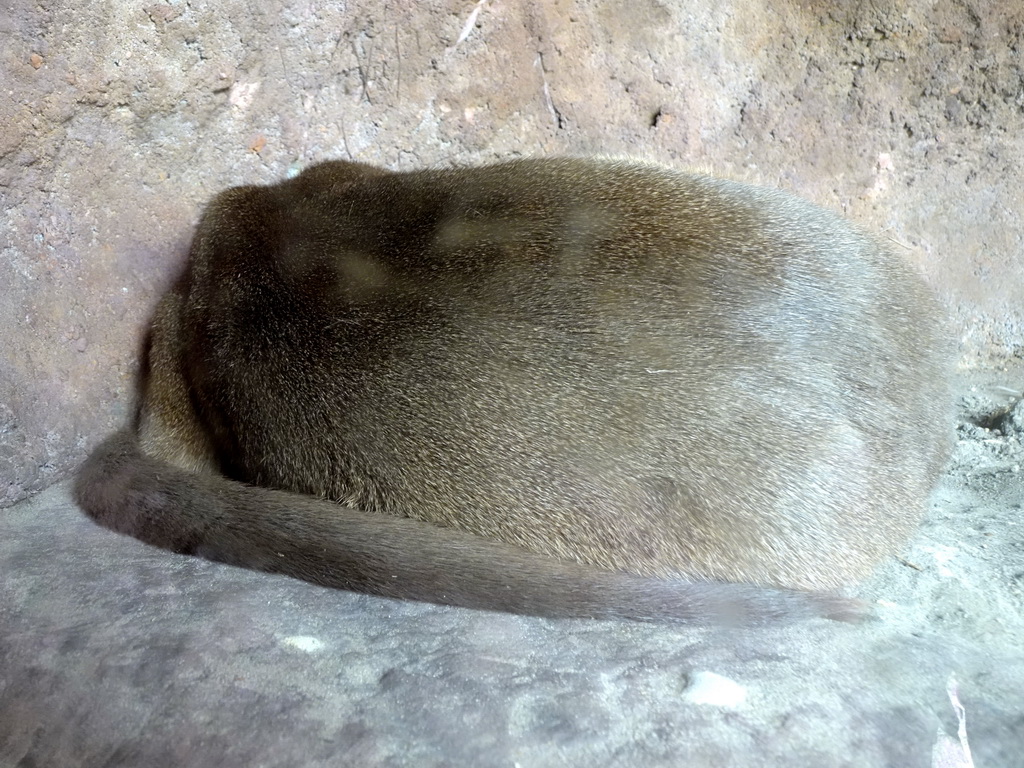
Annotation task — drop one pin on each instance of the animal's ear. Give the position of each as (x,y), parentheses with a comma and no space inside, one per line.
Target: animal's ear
(334,172)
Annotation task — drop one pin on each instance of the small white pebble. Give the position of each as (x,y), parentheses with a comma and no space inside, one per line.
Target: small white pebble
(718,691)
(943,557)
(304,643)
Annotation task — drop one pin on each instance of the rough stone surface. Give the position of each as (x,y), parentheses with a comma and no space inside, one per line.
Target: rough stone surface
(121,119)
(118,655)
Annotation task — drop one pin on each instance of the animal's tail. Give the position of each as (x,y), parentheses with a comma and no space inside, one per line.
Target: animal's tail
(124,489)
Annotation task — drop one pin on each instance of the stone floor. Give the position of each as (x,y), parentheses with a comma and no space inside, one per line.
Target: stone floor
(115,654)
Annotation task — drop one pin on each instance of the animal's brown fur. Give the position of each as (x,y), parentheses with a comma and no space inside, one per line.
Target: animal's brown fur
(567,387)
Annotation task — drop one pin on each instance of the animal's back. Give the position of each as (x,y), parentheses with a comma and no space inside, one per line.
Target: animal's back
(612,363)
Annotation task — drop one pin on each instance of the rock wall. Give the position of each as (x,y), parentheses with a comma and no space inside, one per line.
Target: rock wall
(120,120)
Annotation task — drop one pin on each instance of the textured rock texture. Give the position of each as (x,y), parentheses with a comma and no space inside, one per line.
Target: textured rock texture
(120,119)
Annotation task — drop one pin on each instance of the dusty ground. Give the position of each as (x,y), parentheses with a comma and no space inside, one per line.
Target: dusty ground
(115,654)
